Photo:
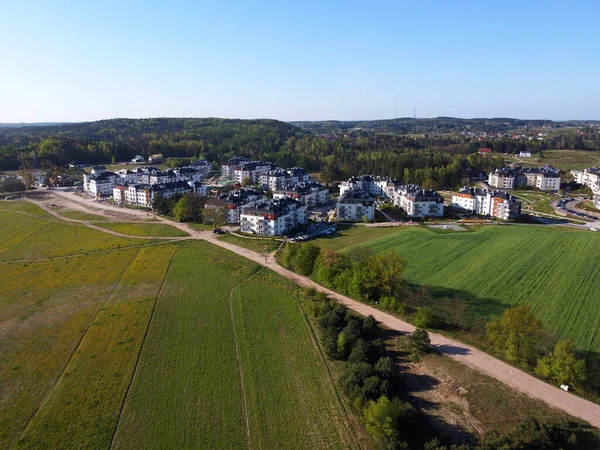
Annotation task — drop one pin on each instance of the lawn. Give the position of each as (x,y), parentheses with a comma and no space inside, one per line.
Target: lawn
(117,342)
(553,270)
(145,229)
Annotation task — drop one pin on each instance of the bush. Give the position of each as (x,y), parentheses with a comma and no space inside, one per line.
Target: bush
(426,318)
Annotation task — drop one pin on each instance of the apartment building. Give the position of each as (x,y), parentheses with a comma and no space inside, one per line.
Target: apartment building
(227,169)
(373,185)
(100,184)
(308,193)
(273,218)
(487,203)
(253,170)
(417,202)
(144,194)
(238,201)
(544,178)
(354,204)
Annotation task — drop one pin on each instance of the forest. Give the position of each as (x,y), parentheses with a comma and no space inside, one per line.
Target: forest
(435,161)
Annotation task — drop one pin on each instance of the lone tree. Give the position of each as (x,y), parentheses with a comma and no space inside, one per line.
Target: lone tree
(189,207)
(420,343)
(515,334)
(562,365)
(215,213)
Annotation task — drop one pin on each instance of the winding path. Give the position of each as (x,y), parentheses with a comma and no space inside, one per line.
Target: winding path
(470,356)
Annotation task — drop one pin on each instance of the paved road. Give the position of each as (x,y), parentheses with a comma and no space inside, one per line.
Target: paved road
(470,356)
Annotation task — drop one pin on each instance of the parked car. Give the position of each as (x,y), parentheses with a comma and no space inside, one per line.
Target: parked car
(8,197)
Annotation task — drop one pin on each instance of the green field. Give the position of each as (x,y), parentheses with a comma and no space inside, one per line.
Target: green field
(111,342)
(145,229)
(571,159)
(80,215)
(554,270)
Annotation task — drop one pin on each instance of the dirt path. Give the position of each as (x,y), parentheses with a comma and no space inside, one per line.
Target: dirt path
(470,356)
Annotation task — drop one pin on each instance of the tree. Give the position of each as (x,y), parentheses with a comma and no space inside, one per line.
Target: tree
(161,205)
(189,207)
(365,219)
(562,365)
(215,213)
(50,174)
(420,343)
(305,259)
(515,334)
(248,181)
(383,420)
(27,175)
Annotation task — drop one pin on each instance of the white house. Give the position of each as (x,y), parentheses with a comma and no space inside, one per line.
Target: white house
(138,159)
(354,204)
(273,218)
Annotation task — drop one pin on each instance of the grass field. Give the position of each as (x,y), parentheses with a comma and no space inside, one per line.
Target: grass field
(571,159)
(80,215)
(145,229)
(136,345)
(259,245)
(554,270)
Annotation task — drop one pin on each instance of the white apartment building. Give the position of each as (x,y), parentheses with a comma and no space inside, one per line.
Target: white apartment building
(588,177)
(238,201)
(143,194)
(375,186)
(309,194)
(354,204)
(487,203)
(545,178)
(501,180)
(227,169)
(100,184)
(417,202)
(273,218)
(253,170)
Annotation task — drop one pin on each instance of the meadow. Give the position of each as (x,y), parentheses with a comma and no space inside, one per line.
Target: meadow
(554,270)
(115,342)
(145,229)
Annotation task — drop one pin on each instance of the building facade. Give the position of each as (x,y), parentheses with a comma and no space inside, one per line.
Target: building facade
(273,218)
(354,205)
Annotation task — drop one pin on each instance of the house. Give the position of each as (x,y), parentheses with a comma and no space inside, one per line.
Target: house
(138,159)
(486,203)
(524,155)
(273,218)
(238,201)
(354,204)
(308,193)
(485,151)
(417,202)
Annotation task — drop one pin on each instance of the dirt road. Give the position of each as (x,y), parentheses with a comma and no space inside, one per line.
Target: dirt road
(470,356)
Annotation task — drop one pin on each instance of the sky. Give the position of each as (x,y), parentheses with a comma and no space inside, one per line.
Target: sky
(84,60)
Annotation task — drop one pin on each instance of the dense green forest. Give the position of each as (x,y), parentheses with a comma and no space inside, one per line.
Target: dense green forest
(435,161)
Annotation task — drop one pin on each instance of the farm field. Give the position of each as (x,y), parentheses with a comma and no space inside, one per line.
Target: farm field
(571,159)
(136,345)
(145,229)
(553,270)
(210,332)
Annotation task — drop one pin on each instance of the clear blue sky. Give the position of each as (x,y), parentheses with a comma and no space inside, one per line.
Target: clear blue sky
(302,60)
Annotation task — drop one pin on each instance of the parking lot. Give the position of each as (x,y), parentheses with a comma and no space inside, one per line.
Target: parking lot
(568,205)
(313,231)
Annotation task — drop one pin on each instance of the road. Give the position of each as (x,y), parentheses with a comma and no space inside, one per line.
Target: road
(465,354)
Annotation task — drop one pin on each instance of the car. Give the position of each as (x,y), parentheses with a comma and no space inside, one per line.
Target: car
(8,197)
(219,231)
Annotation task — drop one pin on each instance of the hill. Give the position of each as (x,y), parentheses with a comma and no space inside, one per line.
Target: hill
(122,139)
(409,125)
